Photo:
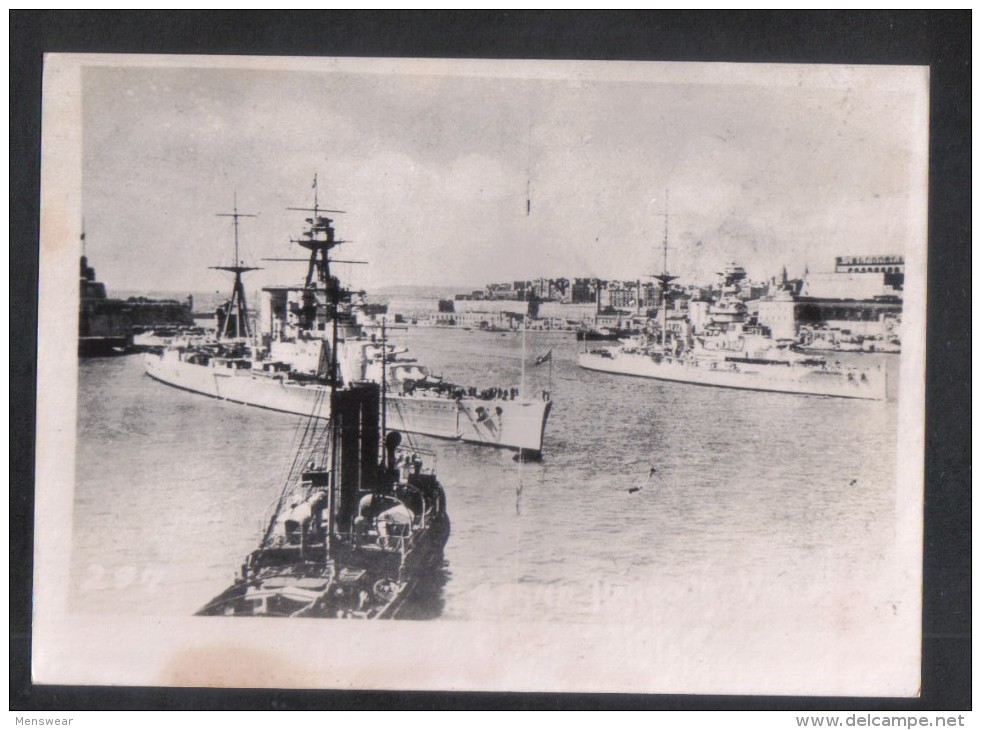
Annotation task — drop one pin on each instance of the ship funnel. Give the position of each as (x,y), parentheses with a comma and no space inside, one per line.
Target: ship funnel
(356,415)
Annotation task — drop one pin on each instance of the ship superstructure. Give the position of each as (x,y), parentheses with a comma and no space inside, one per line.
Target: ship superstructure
(730,352)
(359,524)
(286,366)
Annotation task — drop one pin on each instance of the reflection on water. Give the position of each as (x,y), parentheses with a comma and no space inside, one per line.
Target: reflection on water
(651,497)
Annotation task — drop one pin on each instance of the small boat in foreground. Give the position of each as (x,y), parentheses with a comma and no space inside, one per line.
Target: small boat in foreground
(355,532)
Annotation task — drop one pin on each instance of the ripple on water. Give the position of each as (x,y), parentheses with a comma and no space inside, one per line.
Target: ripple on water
(172,487)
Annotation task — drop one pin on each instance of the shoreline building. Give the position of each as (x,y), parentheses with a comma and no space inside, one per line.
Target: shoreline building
(481,313)
(861,298)
(858,278)
(106,325)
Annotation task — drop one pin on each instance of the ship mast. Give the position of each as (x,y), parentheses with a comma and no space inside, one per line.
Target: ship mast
(664,278)
(319,238)
(333,493)
(237,303)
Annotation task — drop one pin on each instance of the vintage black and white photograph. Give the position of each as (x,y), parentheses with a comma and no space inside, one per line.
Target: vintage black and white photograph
(536,376)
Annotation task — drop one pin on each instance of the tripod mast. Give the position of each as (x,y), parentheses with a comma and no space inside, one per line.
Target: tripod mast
(237,304)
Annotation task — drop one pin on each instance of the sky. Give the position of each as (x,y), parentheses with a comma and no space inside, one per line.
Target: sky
(434,165)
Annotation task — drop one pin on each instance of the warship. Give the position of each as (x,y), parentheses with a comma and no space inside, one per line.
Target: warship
(730,354)
(359,524)
(281,364)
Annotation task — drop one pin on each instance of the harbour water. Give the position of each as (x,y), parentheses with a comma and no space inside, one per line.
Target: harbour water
(780,501)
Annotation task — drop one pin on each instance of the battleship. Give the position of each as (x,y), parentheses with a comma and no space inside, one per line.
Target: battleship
(804,376)
(283,367)
(730,353)
(359,525)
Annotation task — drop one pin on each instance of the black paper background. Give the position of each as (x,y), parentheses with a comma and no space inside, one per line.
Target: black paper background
(941,40)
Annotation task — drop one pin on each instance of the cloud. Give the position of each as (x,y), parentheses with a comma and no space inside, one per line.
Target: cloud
(436,173)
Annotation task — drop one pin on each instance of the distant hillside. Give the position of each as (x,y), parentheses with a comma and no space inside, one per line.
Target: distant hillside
(204,301)
(385,294)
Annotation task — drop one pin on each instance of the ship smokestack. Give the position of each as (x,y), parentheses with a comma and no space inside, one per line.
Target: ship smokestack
(356,417)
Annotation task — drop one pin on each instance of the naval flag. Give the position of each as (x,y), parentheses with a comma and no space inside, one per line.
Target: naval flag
(543,358)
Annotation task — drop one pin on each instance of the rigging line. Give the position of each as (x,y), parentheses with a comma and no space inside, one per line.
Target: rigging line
(294,447)
(299,454)
(316,440)
(297,439)
(310,424)
(405,431)
(290,483)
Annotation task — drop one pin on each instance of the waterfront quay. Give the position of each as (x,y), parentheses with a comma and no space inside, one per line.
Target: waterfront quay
(856,306)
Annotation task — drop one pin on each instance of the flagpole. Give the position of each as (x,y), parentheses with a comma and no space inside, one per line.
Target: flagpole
(549,371)
(384,393)
(524,330)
